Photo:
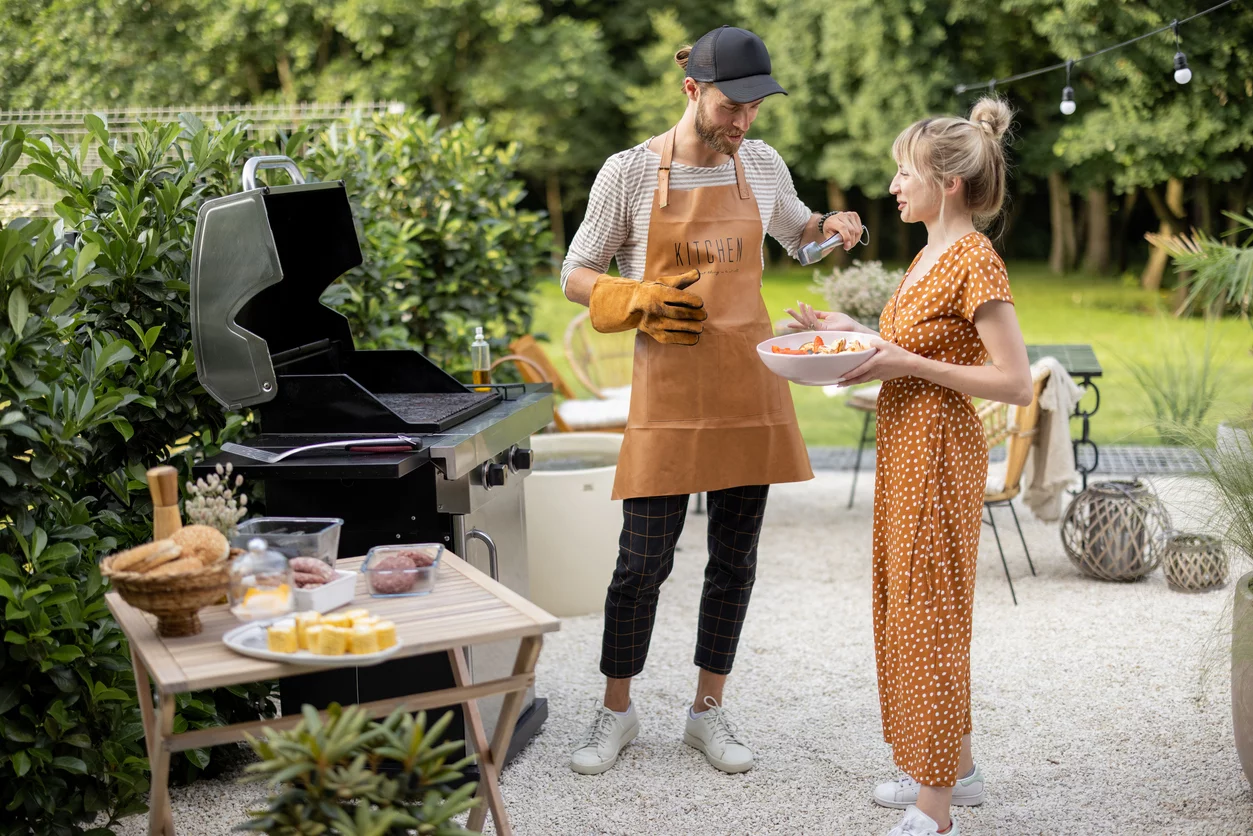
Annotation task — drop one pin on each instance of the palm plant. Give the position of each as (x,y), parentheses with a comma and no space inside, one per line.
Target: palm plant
(1221,273)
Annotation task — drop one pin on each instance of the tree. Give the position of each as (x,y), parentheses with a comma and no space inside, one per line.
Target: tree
(1137,124)
(546,110)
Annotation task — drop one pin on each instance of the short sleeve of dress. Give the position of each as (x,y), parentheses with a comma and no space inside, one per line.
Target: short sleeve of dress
(986,280)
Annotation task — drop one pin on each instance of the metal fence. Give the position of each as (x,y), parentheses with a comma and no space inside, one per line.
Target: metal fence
(35,197)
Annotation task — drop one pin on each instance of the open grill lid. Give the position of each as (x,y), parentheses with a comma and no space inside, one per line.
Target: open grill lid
(260,262)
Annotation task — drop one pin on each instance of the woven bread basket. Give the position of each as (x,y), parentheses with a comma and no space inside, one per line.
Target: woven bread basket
(175,599)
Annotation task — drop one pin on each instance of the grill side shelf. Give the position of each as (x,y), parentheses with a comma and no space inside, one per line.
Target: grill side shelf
(316,466)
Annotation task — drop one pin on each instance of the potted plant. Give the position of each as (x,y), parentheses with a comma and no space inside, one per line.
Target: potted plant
(1228,469)
(859,290)
(347,774)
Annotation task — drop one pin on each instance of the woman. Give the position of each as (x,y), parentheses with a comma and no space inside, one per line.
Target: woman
(949,334)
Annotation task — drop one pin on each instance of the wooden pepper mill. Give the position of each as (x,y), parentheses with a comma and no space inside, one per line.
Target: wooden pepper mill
(163,485)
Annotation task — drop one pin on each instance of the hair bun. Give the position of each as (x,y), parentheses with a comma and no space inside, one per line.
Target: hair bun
(993,115)
(681,57)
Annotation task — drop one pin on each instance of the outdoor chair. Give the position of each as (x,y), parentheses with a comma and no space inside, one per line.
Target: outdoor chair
(1016,427)
(601,362)
(573,414)
(865,400)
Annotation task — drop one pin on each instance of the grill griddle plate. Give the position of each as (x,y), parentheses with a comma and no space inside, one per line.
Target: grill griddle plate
(419,408)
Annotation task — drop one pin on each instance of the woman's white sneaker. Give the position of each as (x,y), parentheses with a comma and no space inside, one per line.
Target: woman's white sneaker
(918,823)
(901,793)
(712,732)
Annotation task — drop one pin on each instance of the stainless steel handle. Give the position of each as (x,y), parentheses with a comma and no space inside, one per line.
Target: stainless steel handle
(492,558)
(253,164)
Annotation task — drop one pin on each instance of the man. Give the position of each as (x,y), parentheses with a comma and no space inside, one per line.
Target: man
(685,215)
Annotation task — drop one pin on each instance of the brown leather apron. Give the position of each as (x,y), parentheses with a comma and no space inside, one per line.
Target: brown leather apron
(709,416)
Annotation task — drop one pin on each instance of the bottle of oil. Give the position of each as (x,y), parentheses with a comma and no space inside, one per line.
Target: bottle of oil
(481,360)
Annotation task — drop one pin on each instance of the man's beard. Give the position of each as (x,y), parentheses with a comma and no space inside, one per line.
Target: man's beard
(711,136)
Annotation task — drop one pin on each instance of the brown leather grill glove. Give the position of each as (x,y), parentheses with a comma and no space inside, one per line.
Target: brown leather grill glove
(660,308)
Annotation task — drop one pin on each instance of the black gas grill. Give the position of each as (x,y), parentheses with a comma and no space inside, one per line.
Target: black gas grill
(264,341)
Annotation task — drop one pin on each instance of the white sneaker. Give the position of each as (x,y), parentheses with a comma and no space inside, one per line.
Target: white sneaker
(918,823)
(598,751)
(899,794)
(712,733)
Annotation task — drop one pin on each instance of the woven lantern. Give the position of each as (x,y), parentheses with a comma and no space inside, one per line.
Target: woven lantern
(1193,562)
(1116,531)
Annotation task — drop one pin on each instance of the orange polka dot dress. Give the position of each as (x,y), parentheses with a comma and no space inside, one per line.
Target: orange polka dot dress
(931,468)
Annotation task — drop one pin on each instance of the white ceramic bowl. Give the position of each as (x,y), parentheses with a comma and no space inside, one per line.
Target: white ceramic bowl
(813,369)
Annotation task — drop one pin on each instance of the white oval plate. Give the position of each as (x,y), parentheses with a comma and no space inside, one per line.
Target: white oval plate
(250,640)
(813,369)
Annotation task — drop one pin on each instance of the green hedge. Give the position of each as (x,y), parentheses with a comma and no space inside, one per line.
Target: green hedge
(97,383)
(446,246)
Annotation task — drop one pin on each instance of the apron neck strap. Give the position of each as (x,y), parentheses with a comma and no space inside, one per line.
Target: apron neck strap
(740,179)
(667,157)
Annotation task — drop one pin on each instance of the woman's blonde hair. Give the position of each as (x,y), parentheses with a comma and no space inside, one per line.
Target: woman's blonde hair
(942,148)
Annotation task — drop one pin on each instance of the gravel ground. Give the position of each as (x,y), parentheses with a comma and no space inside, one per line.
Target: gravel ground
(1098,708)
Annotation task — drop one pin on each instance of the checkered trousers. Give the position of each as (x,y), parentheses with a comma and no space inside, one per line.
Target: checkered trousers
(650,530)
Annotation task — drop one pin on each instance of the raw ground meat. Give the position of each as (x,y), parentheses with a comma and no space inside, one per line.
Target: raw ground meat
(388,575)
(419,558)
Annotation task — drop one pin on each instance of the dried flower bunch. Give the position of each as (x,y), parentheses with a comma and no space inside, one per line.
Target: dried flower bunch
(216,502)
(859,290)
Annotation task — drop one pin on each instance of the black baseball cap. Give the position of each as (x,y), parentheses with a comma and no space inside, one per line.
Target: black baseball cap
(736,62)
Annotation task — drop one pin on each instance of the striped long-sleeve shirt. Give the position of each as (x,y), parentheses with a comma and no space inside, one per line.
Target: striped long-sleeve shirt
(621,203)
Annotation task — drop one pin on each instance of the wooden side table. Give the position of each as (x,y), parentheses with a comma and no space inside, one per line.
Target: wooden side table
(466,608)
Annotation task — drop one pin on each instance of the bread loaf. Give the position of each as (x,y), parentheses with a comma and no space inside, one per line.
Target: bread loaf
(141,557)
(205,543)
(183,564)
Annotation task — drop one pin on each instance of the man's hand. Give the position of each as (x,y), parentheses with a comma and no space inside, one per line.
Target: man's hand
(848,224)
(661,308)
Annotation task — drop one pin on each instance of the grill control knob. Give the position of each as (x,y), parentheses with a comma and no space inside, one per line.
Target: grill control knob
(521,458)
(494,475)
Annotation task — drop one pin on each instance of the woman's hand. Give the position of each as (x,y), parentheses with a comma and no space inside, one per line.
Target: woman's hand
(889,362)
(808,319)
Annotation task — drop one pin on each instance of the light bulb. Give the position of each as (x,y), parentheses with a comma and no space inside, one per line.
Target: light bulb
(1182,74)
(1068,101)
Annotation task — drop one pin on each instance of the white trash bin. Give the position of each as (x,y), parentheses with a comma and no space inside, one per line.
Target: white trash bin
(572,526)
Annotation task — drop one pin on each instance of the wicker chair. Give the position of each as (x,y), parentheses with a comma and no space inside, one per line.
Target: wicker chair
(601,362)
(1016,426)
(573,414)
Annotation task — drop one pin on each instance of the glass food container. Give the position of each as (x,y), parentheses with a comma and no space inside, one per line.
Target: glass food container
(394,571)
(294,536)
(261,583)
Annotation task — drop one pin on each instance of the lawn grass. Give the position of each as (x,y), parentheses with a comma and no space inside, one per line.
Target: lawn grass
(1121,322)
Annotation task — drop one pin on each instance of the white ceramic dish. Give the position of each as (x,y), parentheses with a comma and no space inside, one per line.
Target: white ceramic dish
(329,595)
(250,640)
(813,369)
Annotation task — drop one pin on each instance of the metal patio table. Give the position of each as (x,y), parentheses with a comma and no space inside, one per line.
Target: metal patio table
(1079,361)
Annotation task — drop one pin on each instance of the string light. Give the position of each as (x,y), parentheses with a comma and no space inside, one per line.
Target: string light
(1068,93)
(1182,73)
